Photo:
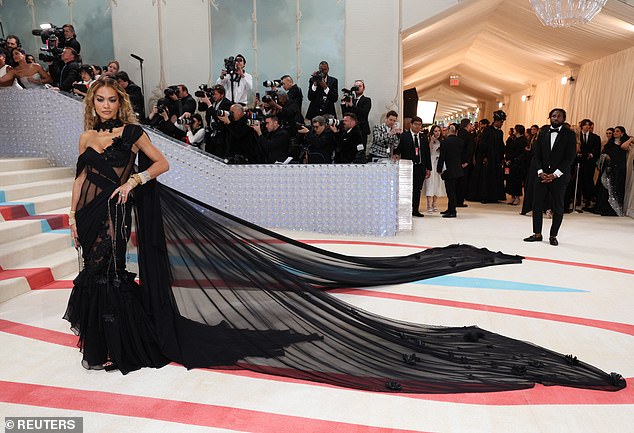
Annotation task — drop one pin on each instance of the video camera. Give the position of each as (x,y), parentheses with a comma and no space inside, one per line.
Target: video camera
(348,94)
(50,35)
(316,77)
(273,83)
(230,65)
(203,90)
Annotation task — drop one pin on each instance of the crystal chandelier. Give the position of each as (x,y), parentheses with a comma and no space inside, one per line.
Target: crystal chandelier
(566,13)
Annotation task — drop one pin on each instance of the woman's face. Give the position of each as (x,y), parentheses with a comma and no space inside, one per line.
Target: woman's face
(85,76)
(106,103)
(608,134)
(618,133)
(113,68)
(195,124)
(437,132)
(18,56)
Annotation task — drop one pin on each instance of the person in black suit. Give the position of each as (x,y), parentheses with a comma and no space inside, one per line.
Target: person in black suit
(322,92)
(554,153)
(589,152)
(466,134)
(450,167)
(134,93)
(68,72)
(415,147)
(349,140)
(294,92)
(274,141)
(360,105)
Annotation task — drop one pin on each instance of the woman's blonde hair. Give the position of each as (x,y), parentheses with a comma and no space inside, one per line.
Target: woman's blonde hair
(125,113)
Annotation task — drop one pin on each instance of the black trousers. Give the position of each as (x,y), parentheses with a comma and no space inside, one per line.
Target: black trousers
(462,184)
(557,190)
(418,179)
(450,187)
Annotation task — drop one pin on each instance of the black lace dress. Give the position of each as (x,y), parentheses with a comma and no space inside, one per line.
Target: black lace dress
(104,307)
(217,291)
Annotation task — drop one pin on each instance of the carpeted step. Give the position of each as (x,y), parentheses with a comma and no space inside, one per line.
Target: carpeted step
(18,229)
(14,254)
(13,164)
(22,192)
(34,175)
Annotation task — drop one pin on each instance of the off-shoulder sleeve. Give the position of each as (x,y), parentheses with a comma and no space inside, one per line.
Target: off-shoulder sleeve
(131,133)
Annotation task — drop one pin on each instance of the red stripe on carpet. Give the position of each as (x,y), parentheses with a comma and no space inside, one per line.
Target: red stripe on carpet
(13,211)
(538,395)
(37,333)
(36,277)
(57,284)
(55,221)
(176,411)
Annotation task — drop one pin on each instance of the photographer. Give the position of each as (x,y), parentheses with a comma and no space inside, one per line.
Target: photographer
(294,92)
(350,147)
(186,103)
(87,75)
(236,81)
(70,38)
(319,143)
(354,101)
(134,93)
(67,73)
(274,141)
(241,147)
(284,109)
(193,127)
(216,137)
(161,119)
(322,92)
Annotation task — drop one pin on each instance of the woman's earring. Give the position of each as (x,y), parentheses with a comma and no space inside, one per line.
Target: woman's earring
(119,113)
(94,113)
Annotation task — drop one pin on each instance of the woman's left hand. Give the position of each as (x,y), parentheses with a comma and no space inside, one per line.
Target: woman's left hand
(122,193)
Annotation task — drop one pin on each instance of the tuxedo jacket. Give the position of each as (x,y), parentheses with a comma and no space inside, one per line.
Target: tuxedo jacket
(451,157)
(347,142)
(407,150)
(69,73)
(560,157)
(362,109)
(320,102)
(593,146)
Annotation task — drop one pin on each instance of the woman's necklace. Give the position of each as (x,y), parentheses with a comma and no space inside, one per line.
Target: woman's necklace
(108,125)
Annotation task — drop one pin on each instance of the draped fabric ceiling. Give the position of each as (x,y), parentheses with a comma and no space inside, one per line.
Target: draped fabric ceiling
(499,47)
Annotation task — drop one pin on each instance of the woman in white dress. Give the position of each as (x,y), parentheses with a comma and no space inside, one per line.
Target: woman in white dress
(434,186)
(30,75)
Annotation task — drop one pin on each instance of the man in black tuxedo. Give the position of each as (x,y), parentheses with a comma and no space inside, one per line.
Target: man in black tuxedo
(466,134)
(415,147)
(450,167)
(322,92)
(360,105)
(589,152)
(216,137)
(68,73)
(554,152)
(349,140)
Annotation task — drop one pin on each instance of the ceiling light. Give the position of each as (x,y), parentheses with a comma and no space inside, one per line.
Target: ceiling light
(564,80)
(566,13)
(500,104)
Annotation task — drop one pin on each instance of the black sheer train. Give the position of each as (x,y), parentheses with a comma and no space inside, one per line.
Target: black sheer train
(221,291)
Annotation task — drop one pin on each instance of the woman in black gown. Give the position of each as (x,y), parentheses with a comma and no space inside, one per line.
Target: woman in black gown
(612,173)
(216,290)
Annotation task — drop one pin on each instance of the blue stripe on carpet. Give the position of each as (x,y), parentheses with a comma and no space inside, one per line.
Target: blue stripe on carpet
(487,283)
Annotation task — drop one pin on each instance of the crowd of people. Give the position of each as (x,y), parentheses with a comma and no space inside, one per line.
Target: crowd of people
(223,121)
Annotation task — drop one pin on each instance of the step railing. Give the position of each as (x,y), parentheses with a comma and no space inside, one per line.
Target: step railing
(354,199)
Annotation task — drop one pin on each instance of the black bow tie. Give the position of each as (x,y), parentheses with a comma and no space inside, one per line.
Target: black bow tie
(551,130)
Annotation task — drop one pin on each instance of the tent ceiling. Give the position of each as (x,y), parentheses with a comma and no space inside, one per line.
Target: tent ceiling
(499,47)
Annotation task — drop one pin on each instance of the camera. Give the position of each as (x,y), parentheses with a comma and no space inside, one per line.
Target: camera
(230,64)
(333,122)
(161,105)
(253,122)
(185,121)
(51,37)
(221,113)
(271,95)
(317,76)
(348,94)
(274,83)
(203,90)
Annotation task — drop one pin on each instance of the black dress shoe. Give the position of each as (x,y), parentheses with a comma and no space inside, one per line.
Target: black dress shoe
(462,205)
(444,212)
(449,215)
(553,241)
(534,238)
(418,214)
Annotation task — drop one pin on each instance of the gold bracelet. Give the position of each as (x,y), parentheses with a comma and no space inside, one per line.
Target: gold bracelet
(132,181)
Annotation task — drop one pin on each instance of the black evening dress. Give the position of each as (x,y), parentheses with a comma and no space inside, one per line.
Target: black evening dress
(216,290)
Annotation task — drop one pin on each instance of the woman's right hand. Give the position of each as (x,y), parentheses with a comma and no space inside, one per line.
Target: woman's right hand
(73,235)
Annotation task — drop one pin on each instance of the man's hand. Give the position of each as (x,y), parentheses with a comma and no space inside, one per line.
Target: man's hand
(256,128)
(427,174)
(547,178)
(224,119)
(303,130)
(223,74)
